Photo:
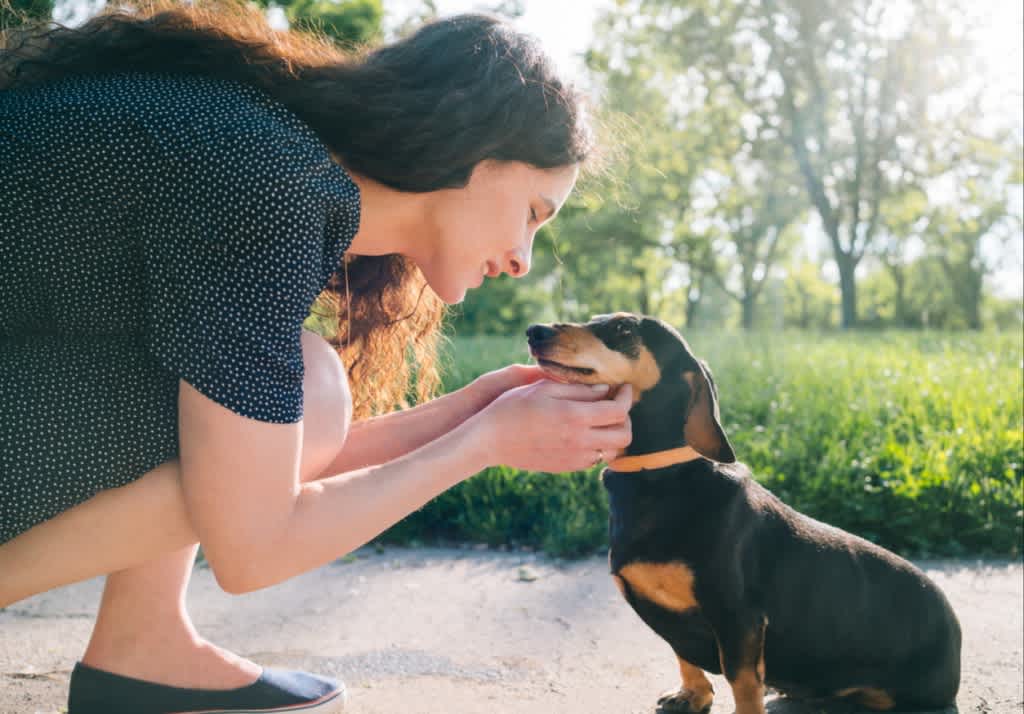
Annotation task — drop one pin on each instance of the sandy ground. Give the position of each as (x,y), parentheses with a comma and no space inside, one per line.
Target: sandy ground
(457,631)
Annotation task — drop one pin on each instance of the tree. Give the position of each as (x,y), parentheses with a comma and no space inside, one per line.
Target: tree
(955,234)
(752,205)
(850,89)
(899,237)
(810,299)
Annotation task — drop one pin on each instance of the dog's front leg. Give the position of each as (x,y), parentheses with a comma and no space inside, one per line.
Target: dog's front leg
(741,651)
(695,695)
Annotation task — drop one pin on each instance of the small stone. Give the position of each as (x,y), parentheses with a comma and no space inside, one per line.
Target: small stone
(527,574)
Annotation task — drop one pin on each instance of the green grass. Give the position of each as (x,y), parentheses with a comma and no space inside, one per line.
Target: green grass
(913,440)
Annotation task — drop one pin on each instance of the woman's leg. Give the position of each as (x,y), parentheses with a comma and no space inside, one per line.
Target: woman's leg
(143,629)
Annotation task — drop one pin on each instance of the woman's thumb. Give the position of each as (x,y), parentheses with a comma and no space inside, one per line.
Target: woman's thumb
(579,392)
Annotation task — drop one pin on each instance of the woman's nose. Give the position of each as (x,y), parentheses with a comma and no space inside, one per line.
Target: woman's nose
(517,266)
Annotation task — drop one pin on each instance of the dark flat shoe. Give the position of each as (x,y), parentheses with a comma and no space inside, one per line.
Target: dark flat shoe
(94,691)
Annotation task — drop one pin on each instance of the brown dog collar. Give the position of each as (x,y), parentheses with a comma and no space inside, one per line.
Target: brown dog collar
(655,460)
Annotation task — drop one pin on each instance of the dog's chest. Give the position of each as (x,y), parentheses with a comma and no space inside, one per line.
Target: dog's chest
(654,518)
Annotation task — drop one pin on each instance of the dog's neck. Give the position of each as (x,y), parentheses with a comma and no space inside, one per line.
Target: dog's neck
(657,433)
(655,460)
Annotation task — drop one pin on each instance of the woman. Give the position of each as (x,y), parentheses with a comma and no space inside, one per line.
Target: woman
(182,184)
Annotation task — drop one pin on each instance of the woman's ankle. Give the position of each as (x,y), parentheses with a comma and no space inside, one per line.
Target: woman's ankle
(196,664)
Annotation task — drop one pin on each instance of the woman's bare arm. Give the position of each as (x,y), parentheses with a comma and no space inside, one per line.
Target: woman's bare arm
(389,436)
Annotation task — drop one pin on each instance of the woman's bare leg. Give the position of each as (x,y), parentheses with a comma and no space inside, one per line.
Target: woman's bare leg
(115,530)
(143,629)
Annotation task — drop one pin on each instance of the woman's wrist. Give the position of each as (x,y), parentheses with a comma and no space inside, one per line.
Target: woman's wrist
(477,438)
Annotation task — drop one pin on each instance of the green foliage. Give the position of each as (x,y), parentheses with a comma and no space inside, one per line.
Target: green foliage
(350,23)
(810,301)
(15,12)
(912,440)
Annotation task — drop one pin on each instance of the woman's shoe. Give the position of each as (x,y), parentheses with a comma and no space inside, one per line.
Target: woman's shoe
(94,691)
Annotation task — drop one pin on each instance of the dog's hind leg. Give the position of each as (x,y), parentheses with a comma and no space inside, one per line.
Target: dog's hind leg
(695,695)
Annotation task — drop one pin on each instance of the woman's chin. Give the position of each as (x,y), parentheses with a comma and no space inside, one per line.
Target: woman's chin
(457,294)
(450,294)
(454,299)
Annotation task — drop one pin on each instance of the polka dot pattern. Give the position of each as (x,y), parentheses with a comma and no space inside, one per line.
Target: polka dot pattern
(154,227)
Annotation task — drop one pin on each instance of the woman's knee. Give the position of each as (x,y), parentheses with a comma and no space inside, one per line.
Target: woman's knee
(327,404)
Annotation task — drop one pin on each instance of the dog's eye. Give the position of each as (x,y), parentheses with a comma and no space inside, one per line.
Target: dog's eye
(623,329)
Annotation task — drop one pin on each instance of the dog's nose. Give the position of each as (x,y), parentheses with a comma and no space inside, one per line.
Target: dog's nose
(539,333)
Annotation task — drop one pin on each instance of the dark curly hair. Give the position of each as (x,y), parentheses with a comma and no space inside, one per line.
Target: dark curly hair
(416,115)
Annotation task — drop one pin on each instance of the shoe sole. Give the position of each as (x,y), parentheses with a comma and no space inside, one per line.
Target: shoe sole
(333,703)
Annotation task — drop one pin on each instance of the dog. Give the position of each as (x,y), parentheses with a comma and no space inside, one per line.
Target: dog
(737,582)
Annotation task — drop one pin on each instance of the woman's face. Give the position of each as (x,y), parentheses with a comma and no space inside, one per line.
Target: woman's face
(487,227)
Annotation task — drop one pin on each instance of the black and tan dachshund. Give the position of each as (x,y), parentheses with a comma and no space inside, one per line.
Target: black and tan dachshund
(736,581)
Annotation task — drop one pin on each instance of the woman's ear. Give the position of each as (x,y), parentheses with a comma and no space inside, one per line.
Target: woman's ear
(702,429)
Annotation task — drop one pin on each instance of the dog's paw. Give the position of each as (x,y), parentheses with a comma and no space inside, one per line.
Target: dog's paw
(684,700)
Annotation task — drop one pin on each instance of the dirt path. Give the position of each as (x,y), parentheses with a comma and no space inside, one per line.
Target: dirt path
(452,631)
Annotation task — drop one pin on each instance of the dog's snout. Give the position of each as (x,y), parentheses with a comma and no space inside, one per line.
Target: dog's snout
(539,333)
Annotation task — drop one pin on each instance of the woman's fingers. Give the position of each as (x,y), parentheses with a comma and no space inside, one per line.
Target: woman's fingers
(607,411)
(527,373)
(576,392)
(611,438)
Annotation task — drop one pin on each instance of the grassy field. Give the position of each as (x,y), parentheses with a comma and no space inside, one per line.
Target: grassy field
(911,439)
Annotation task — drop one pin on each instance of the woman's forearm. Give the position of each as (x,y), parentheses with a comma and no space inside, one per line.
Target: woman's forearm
(389,436)
(337,514)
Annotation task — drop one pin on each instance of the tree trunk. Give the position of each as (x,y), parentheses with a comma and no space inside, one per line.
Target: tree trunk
(972,300)
(900,280)
(748,311)
(848,289)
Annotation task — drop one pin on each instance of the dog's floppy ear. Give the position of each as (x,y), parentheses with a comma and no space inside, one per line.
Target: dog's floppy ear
(703,430)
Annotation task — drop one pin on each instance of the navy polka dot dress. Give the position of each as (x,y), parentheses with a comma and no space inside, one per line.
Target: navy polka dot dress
(153,227)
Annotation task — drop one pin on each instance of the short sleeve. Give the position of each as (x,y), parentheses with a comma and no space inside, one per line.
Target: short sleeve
(248,224)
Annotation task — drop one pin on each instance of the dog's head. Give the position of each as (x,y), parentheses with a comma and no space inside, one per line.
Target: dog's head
(673,392)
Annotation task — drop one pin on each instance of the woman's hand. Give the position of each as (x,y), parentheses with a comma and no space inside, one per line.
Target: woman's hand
(550,426)
(489,386)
